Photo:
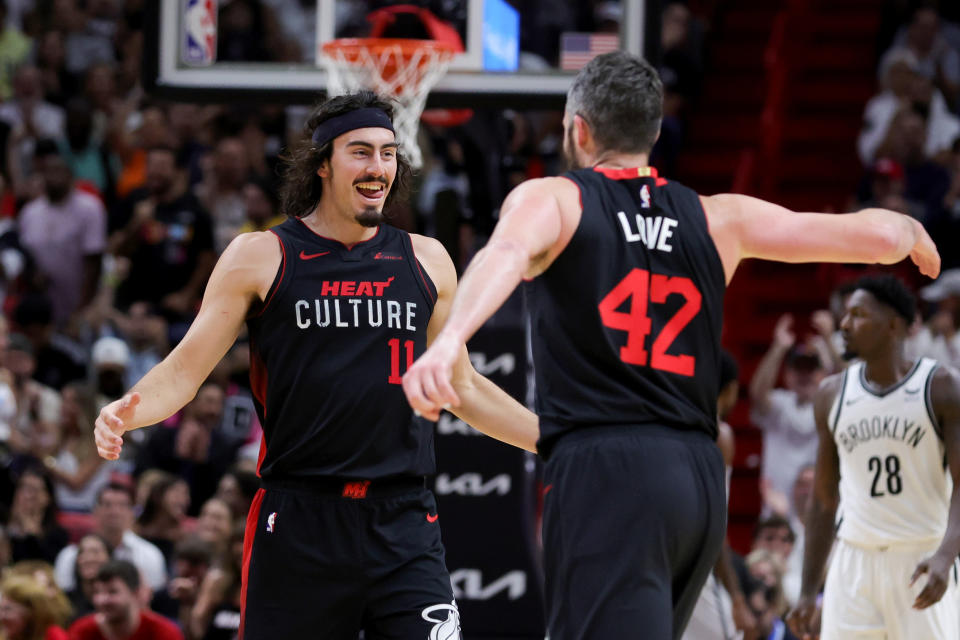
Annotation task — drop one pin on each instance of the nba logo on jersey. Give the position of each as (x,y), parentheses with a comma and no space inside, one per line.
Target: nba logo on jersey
(200,32)
(645,197)
(271,519)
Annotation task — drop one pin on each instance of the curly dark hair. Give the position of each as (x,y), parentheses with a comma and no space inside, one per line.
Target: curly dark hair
(891,292)
(301,187)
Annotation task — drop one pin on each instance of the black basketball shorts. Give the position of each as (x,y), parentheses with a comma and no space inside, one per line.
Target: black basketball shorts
(331,560)
(634,518)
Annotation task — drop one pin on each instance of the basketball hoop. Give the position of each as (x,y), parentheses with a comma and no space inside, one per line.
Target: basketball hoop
(400,68)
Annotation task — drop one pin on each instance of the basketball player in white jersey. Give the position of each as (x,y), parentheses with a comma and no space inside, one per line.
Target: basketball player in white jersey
(889,455)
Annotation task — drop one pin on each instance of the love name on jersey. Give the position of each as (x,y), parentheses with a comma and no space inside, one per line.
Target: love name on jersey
(880,427)
(330,310)
(654,231)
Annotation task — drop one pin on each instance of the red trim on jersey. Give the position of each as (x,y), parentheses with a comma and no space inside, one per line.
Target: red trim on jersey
(262,454)
(283,271)
(258,385)
(348,247)
(258,379)
(253,516)
(579,193)
(416,261)
(632,172)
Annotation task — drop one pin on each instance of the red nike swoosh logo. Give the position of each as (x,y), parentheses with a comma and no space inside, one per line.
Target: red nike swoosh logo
(432,518)
(311,256)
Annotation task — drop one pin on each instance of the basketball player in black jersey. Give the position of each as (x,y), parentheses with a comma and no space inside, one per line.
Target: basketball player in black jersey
(343,536)
(628,274)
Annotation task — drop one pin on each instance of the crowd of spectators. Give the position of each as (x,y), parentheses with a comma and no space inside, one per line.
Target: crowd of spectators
(910,141)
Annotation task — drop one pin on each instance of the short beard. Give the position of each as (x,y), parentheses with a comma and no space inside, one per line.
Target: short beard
(370,217)
(849,354)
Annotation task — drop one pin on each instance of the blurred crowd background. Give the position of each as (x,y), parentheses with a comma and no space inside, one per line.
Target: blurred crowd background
(115,205)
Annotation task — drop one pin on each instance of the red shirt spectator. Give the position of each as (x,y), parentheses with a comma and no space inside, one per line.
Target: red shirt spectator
(119,615)
(151,627)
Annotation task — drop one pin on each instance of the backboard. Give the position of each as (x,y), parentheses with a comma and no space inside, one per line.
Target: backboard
(516,53)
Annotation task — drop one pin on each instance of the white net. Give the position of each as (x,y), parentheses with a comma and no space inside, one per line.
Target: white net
(403,70)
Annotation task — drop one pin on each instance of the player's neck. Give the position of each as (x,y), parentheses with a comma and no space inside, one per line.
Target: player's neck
(616,160)
(887,369)
(332,224)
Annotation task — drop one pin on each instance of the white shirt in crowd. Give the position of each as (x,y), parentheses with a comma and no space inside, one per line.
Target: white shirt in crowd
(793,571)
(59,237)
(144,555)
(789,438)
(8,410)
(84,498)
(942,126)
(924,344)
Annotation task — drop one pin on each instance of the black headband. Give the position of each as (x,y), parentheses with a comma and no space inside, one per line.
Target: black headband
(356,119)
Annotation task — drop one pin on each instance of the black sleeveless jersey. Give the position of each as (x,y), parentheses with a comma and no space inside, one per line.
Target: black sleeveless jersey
(625,323)
(328,348)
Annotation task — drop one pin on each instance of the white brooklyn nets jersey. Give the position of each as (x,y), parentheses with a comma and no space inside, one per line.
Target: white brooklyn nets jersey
(894,484)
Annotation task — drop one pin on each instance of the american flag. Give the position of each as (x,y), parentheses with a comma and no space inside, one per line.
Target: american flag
(577,49)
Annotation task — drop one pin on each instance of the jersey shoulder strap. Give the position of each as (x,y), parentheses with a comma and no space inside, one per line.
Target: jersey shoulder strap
(928,367)
(849,373)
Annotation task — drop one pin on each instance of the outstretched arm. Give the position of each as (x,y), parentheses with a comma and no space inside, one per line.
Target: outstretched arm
(945,396)
(822,513)
(473,398)
(533,229)
(244,273)
(745,227)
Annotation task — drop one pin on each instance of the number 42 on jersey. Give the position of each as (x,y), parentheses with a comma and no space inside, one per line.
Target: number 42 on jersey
(641,289)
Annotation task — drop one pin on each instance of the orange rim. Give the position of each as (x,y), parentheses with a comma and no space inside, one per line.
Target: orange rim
(351,48)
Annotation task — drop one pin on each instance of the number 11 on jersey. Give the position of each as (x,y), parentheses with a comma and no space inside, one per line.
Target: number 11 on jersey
(396,376)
